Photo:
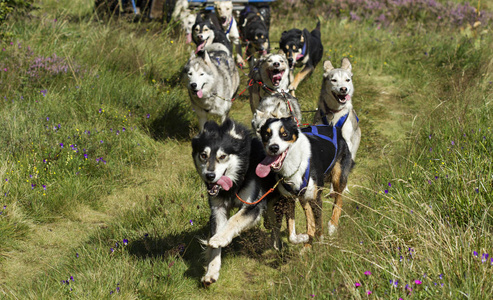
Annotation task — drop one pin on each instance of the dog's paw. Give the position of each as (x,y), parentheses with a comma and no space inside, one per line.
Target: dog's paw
(209,279)
(299,238)
(219,241)
(332,229)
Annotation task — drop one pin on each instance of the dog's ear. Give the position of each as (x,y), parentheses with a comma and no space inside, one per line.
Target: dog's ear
(328,66)
(205,56)
(198,19)
(345,64)
(237,134)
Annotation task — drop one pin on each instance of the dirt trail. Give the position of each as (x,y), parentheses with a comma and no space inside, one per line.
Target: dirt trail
(384,120)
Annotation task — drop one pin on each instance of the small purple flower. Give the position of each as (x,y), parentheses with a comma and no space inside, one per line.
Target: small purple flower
(453,143)
(417,281)
(77,254)
(475,254)
(125,242)
(357,284)
(44,187)
(112,250)
(386,191)
(390,184)
(148,116)
(61,145)
(440,276)
(367,273)
(191,222)
(484,257)
(368,292)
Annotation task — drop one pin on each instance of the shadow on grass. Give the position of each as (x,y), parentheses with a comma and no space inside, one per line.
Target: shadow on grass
(254,243)
(173,122)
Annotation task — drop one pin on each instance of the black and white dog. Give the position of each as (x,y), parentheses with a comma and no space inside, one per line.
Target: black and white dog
(303,49)
(204,33)
(305,159)
(225,157)
(254,34)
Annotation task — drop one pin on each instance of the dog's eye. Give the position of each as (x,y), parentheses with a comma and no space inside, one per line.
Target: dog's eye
(201,74)
(284,134)
(348,80)
(333,80)
(190,73)
(222,157)
(205,30)
(203,155)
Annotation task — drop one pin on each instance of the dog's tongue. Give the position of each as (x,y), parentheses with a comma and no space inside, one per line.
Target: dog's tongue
(348,97)
(225,182)
(299,56)
(200,94)
(276,78)
(189,38)
(263,168)
(200,47)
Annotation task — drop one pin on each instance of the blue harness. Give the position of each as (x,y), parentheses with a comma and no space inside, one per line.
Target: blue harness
(313,130)
(339,123)
(230,25)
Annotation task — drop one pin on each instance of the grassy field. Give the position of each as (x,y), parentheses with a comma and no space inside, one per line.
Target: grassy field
(99,197)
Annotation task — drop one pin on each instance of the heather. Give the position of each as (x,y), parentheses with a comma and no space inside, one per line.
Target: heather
(405,12)
(99,197)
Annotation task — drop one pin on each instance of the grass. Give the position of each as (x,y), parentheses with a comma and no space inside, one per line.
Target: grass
(99,196)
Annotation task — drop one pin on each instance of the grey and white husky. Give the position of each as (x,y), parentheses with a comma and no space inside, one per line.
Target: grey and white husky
(335,105)
(225,157)
(278,105)
(212,81)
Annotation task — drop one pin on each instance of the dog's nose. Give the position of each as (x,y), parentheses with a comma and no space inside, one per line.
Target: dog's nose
(193,85)
(343,90)
(210,176)
(274,148)
(276,64)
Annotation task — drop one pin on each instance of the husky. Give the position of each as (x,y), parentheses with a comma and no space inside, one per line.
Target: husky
(335,105)
(303,49)
(204,34)
(278,105)
(224,12)
(254,34)
(225,157)
(270,76)
(185,16)
(304,160)
(212,82)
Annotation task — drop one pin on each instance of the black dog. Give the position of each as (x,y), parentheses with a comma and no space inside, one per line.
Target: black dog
(303,49)
(254,33)
(204,33)
(225,157)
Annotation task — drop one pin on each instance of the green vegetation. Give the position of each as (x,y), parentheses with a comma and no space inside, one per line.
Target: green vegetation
(99,196)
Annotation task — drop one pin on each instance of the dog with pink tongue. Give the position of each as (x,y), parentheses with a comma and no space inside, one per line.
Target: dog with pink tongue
(225,158)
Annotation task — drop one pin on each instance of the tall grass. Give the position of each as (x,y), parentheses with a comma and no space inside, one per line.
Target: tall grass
(95,152)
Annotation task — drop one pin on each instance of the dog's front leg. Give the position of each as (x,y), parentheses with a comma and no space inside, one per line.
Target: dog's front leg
(300,76)
(202,116)
(310,218)
(244,219)
(293,237)
(219,217)
(338,184)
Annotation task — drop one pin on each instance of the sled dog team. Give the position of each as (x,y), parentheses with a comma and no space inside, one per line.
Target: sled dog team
(281,162)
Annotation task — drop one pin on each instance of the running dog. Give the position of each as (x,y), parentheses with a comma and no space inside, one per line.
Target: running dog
(335,105)
(184,15)
(212,81)
(278,105)
(225,157)
(304,160)
(204,34)
(254,34)
(303,49)
(224,12)
(269,76)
